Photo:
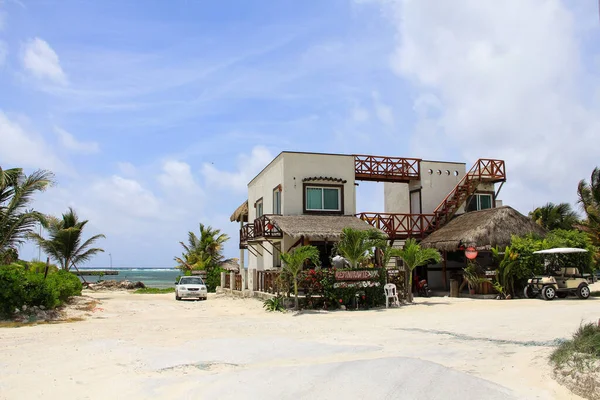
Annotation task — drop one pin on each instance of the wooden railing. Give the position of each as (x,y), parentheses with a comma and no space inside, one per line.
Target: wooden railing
(484,170)
(265,228)
(266,281)
(227,281)
(400,226)
(386,169)
(238,282)
(246,233)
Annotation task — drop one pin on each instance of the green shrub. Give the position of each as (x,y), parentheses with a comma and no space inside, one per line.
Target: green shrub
(12,289)
(213,278)
(65,284)
(40,292)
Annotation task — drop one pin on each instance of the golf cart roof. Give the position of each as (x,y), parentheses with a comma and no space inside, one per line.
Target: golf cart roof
(561,250)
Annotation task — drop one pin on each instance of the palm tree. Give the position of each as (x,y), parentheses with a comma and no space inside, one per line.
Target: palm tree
(293,262)
(16,221)
(554,216)
(589,199)
(64,243)
(357,246)
(415,256)
(204,252)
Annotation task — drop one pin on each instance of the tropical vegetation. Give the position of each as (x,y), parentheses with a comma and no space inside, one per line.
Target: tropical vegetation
(358,246)
(413,256)
(293,262)
(555,216)
(17,221)
(274,304)
(65,236)
(589,199)
(204,253)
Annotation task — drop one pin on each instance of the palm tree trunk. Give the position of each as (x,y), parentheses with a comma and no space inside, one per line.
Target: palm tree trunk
(296,292)
(409,288)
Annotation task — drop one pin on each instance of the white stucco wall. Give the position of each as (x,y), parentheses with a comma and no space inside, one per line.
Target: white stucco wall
(396,198)
(435,187)
(297,166)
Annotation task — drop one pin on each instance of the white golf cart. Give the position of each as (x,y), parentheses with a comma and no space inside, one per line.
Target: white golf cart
(561,278)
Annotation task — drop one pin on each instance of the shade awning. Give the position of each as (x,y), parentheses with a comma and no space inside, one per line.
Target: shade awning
(322,227)
(241,213)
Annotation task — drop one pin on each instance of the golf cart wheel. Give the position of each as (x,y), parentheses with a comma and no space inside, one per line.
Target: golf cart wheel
(583,291)
(528,292)
(548,293)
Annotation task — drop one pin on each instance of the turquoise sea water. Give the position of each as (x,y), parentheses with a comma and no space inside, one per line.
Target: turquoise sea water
(152,277)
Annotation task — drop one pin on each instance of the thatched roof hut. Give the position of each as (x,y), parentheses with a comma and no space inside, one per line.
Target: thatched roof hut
(482,229)
(231,264)
(319,227)
(241,213)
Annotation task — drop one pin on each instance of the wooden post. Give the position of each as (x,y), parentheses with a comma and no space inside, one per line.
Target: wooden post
(47,266)
(444,269)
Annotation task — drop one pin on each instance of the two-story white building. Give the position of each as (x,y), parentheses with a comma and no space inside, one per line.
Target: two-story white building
(308,198)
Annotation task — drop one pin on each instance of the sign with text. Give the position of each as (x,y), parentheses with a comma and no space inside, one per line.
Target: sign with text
(363,275)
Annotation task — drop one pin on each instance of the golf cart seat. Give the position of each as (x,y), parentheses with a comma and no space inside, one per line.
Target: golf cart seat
(571,271)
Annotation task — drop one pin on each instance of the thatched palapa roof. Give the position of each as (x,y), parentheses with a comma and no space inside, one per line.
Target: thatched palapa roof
(482,229)
(318,226)
(231,264)
(241,213)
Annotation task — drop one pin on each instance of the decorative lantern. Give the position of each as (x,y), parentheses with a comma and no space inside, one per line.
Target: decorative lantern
(471,253)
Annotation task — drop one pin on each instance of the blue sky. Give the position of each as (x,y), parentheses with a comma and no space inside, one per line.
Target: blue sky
(154,115)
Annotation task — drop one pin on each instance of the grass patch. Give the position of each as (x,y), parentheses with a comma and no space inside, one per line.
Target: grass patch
(581,352)
(13,324)
(150,290)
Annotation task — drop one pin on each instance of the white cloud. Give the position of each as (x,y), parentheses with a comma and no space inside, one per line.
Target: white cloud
(248,167)
(41,61)
(23,148)
(503,80)
(177,175)
(126,196)
(70,143)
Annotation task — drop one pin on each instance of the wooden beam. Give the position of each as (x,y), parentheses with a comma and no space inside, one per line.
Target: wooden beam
(267,250)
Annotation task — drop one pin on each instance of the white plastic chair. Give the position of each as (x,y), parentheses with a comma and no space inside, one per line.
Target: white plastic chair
(391,293)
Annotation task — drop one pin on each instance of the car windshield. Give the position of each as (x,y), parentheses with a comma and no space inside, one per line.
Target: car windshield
(191,281)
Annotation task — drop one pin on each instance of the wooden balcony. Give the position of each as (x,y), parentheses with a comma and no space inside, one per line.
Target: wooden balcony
(400,226)
(246,234)
(386,169)
(489,170)
(265,228)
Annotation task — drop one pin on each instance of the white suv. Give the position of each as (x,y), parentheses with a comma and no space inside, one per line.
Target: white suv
(190,286)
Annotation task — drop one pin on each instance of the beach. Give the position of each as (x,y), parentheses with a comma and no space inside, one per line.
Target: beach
(150,346)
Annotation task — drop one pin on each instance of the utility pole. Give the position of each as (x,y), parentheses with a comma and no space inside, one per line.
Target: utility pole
(110,255)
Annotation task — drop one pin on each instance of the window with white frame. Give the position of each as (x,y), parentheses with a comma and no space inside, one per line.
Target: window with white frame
(323,198)
(277,200)
(480,201)
(259,208)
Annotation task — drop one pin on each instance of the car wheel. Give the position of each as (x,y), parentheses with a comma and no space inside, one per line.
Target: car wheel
(548,293)
(177,297)
(583,291)
(528,292)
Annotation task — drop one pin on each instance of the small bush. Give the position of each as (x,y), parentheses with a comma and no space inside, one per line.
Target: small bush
(154,290)
(65,284)
(274,304)
(585,345)
(12,289)
(213,279)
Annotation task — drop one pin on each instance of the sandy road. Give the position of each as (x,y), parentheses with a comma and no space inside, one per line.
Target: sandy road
(141,346)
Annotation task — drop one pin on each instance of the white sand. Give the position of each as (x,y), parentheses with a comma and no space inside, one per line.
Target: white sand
(150,346)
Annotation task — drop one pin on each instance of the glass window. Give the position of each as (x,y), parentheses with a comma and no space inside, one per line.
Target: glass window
(259,208)
(485,201)
(323,199)
(331,199)
(314,198)
(277,201)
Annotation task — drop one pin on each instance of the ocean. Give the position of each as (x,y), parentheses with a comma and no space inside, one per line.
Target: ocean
(152,277)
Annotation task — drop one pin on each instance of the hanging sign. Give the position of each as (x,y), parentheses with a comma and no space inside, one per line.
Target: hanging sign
(471,253)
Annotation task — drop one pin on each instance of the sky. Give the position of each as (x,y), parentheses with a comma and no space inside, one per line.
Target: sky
(155,115)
